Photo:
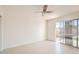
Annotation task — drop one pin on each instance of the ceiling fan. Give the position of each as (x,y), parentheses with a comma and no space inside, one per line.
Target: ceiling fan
(44,11)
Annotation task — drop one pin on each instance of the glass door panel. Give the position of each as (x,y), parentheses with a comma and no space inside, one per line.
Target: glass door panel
(62,40)
(60,32)
(74,33)
(68,32)
(78,33)
(57,32)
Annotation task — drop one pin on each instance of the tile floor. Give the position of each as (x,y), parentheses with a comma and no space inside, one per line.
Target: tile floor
(42,47)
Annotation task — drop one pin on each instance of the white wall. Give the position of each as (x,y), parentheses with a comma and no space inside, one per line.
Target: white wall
(51,24)
(0,36)
(51,30)
(1,13)
(21,26)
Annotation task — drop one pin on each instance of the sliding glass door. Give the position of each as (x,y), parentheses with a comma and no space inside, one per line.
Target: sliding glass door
(75,33)
(62,24)
(69,32)
(78,33)
(60,32)
(72,32)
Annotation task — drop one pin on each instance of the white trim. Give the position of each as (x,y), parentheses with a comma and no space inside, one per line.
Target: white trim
(1,32)
(20,45)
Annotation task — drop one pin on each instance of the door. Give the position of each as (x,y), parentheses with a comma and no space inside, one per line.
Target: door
(68,32)
(75,33)
(60,32)
(71,33)
(78,33)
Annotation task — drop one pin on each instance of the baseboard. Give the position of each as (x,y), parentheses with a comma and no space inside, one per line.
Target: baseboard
(21,44)
(52,40)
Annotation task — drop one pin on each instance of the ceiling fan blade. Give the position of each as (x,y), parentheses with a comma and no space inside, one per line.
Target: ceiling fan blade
(49,11)
(45,8)
(38,11)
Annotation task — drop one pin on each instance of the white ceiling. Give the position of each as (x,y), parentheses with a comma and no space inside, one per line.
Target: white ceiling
(58,10)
